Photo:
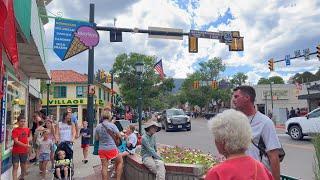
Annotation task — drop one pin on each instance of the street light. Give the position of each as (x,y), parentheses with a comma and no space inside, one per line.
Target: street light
(48,82)
(139,70)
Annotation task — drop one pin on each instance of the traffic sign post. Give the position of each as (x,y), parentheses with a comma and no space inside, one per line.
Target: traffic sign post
(287,60)
(306,53)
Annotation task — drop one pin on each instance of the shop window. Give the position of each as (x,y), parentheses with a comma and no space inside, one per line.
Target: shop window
(99,93)
(15,104)
(60,92)
(104,95)
(80,90)
(108,96)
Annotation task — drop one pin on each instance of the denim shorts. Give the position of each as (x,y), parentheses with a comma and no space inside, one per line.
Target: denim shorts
(44,157)
(22,158)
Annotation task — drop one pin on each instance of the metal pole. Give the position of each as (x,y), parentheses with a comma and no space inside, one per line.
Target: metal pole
(265,98)
(271,94)
(309,106)
(139,102)
(90,110)
(111,72)
(47,111)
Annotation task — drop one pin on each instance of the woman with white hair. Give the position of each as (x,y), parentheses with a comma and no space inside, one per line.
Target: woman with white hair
(232,136)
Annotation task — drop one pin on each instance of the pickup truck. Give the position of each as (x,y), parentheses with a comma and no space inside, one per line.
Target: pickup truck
(298,127)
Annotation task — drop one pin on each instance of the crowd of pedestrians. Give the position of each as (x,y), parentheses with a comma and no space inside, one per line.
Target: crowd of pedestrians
(238,135)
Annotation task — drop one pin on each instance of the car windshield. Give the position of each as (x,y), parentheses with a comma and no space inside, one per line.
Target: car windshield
(175,112)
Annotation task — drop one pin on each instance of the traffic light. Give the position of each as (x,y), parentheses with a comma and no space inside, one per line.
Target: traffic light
(196,84)
(318,51)
(237,44)
(109,78)
(102,75)
(193,44)
(214,84)
(271,64)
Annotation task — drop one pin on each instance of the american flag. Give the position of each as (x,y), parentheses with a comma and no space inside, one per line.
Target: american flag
(158,67)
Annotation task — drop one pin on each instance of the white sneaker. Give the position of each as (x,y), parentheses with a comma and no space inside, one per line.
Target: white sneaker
(113,174)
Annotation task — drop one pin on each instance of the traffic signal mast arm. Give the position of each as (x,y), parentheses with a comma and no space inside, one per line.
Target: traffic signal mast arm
(294,57)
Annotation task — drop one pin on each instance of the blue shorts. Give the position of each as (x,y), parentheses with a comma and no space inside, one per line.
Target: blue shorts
(44,157)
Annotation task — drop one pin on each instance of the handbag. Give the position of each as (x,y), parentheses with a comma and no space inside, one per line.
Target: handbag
(115,137)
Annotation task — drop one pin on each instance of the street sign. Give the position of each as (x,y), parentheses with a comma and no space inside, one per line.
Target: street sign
(205,34)
(72,37)
(161,34)
(227,36)
(297,53)
(287,60)
(306,53)
(115,36)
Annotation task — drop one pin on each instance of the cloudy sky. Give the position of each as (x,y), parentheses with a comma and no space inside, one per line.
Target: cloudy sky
(271,29)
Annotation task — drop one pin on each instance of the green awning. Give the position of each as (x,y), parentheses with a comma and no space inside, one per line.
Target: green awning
(22,11)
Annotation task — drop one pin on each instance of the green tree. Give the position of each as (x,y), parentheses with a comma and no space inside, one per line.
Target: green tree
(202,96)
(305,77)
(238,79)
(126,77)
(264,81)
(210,70)
(276,80)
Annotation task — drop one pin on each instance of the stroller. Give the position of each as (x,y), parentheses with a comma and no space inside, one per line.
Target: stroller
(66,147)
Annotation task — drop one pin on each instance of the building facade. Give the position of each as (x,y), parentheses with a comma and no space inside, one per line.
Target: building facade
(69,89)
(22,86)
(284,97)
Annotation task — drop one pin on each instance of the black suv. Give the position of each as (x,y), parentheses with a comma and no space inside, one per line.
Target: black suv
(175,119)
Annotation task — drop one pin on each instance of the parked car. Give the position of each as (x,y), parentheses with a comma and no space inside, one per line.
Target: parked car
(298,127)
(188,113)
(175,119)
(209,115)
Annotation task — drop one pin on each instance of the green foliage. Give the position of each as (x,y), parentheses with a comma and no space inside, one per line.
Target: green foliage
(125,75)
(187,156)
(238,79)
(210,70)
(316,144)
(274,79)
(201,97)
(306,77)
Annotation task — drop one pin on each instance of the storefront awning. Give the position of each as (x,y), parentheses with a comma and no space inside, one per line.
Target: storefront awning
(310,96)
(31,62)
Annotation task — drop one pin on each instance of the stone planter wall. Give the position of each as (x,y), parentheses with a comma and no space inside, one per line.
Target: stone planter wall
(134,170)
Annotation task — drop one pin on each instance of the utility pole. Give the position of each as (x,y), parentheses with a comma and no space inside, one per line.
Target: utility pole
(271,94)
(90,104)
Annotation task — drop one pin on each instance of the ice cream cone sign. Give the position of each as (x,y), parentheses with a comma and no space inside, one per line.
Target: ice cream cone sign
(84,38)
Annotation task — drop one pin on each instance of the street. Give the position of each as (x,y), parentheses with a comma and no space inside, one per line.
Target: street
(298,161)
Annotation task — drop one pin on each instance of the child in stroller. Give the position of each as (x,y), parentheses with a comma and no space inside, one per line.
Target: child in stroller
(63,161)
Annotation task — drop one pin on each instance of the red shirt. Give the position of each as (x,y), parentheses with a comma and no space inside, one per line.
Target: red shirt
(245,168)
(22,134)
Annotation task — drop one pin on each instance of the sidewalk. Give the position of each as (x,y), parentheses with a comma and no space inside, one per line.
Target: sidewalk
(89,171)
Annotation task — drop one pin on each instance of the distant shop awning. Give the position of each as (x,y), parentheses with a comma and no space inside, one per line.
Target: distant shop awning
(310,96)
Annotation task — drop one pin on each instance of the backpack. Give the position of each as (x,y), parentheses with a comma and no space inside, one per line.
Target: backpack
(262,150)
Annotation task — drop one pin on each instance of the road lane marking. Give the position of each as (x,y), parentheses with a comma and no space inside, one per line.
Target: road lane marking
(299,146)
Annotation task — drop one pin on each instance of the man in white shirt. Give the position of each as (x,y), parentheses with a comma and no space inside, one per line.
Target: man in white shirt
(262,127)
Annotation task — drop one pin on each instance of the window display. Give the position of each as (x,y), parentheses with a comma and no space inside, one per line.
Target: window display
(16,97)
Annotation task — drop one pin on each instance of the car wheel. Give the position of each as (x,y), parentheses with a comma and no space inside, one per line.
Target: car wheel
(295,132)
(166,128)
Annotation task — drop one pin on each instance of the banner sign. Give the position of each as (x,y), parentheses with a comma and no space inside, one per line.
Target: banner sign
(3,111)
(72,37)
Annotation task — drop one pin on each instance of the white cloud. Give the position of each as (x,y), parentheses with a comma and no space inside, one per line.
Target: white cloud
(270,29)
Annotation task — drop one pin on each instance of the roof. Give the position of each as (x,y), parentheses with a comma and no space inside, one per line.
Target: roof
(68,76)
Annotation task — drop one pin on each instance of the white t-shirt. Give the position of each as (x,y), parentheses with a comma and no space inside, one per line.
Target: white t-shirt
(65,132)
(262,126)
(132,139)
